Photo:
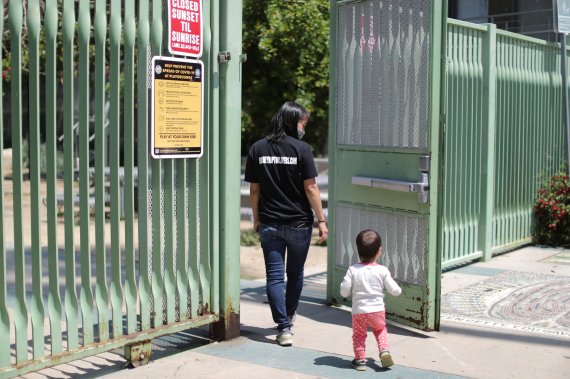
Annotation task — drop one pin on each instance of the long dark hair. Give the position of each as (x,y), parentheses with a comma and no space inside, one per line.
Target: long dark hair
(285,121)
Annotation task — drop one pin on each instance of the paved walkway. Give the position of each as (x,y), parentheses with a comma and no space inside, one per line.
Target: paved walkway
(508,318)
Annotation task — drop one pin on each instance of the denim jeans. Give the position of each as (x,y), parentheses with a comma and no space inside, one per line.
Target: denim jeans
(275,241)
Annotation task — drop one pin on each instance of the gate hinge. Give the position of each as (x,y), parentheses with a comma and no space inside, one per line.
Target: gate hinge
(224,56)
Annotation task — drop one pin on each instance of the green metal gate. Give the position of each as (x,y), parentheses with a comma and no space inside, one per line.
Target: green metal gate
(102,246)
(504,137)
(384,145)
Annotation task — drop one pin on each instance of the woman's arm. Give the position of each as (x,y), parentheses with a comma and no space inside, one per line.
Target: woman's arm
(254,195)
(314,196)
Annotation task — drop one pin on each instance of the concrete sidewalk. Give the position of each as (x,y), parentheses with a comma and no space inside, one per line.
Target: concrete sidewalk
(507,318)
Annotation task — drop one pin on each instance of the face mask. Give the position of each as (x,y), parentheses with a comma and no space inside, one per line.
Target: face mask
(300,132)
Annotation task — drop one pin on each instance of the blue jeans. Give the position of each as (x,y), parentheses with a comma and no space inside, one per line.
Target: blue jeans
(275,240)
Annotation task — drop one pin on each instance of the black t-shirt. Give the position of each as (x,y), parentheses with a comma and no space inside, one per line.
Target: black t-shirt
(280,169)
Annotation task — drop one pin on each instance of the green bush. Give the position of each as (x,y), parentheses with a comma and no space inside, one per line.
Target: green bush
(249,237)
(552,212)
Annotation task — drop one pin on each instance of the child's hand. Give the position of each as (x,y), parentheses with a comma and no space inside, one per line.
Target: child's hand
(399,283)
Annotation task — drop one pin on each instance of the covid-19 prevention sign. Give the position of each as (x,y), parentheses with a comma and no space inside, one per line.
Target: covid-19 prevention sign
(185,27)
(177,108)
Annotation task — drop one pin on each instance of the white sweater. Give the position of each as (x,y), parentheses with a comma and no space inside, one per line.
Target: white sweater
(366,284)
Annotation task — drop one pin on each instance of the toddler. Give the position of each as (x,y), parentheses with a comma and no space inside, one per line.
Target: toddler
(365,282)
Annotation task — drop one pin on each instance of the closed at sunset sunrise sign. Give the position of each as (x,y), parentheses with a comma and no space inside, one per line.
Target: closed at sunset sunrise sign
(185,27)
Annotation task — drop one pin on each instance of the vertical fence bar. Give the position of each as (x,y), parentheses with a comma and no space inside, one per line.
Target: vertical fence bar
(336,113)
(499,154)
(214,157)
(86,294)
(181,238)
(128,183)
(157,274)
(202,175)
(145,294)
(101,126)
(450,191)
(68,26)
(488,151)
(55,310)
(114,152)
(20,309)
(169,239)
(230,109)
(462,136)
(4,317)
(193,235)
(168,254)
(564,75)
(37,306)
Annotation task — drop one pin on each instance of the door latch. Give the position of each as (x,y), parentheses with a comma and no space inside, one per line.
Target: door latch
(421,186)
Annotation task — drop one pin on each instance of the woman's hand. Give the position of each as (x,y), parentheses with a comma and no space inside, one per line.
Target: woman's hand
(323,232)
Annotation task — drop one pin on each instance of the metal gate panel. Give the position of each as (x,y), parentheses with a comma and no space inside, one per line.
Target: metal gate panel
(403,240)
(503,132)
(384,144)
(102,246)
(529,131)
(383,85)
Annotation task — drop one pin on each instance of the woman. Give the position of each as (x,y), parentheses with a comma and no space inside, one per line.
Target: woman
(281,171)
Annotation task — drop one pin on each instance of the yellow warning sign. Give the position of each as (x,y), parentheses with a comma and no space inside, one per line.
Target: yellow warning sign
(177,108)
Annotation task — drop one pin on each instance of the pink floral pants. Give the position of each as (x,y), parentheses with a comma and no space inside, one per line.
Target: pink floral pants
(360,323)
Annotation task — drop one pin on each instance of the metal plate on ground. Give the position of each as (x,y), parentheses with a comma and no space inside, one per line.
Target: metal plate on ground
(521,301)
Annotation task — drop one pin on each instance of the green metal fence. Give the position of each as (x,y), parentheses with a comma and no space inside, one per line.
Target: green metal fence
(102,246)
(503,137)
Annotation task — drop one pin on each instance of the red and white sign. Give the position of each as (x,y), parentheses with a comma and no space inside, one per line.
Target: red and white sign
(185,27)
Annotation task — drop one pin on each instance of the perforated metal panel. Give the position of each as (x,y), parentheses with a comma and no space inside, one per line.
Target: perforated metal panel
(403,241)
(383,70)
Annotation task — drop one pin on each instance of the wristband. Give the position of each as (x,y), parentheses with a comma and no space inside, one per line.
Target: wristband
(319,221)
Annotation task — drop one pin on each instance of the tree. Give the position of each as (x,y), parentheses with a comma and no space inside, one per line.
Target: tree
(286,42)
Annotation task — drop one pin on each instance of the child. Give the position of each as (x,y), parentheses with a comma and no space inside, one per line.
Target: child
(365,282)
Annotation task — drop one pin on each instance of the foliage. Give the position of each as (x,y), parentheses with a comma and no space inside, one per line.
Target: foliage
(317,243)
(552,212)
(286,43)
(249,237)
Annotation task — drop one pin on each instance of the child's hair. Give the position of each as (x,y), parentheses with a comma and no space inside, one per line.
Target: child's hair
(368,243)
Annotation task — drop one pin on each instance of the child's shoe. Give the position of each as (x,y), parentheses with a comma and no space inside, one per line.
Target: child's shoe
(386,358)
(359,364)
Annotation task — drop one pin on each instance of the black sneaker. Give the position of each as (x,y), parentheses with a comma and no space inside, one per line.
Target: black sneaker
(359,364)
(386,358)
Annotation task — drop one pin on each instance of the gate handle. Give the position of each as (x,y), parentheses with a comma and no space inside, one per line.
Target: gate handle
(421,186)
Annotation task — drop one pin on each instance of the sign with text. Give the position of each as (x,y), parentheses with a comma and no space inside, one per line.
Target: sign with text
(177,108)
(185,27)
(562,16)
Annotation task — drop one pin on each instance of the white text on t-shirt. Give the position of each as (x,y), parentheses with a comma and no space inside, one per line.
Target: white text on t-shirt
(277,160)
